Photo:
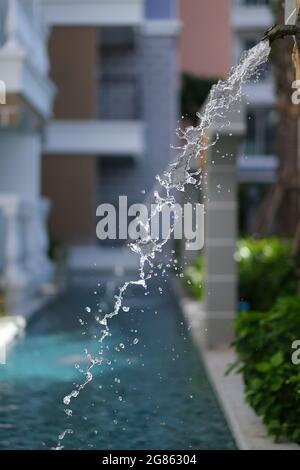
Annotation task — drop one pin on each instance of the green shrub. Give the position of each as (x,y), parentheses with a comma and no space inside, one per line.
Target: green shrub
(57,251)
(193,278)
(265,271)
(272,381)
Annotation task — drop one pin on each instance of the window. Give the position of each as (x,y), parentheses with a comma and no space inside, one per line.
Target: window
(119,79)
(261,131)
(255,2)
(160,9)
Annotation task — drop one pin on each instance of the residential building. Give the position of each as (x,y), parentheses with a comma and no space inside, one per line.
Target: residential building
(91,110)
(257,161)
(26,105)
(115,67)
(205,42)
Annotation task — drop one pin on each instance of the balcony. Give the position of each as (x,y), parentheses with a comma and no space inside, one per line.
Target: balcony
(258,169)
(110,138)
(23,55)
(261,93)
(94,12)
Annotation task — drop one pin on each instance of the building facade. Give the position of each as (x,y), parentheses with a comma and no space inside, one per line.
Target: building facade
(90,94)
(115,67)
(206,38)
(257,162)
(26,106)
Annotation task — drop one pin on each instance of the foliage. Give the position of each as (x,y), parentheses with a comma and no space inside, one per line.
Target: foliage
(194,91)
(57,251)
(265,272)
(272,381)
(193,278)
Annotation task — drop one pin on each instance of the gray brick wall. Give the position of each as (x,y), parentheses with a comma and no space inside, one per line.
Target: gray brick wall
(119,94)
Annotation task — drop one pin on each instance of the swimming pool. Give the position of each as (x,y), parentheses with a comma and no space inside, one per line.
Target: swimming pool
(151,394)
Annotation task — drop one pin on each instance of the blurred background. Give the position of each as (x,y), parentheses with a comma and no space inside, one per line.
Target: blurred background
(94,93)
(91,95)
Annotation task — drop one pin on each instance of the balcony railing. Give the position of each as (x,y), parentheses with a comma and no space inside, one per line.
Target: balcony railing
(95,138)
(24,264)
(94,12)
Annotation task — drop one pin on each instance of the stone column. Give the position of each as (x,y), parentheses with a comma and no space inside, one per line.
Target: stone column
(34,218)
(220,235)
(14,274)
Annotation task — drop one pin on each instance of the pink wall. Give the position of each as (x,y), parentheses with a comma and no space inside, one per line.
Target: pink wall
(205,44)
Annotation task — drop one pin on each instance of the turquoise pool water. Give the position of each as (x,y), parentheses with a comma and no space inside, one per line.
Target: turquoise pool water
(153,394)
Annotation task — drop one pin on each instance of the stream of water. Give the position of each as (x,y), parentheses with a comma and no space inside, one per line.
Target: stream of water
(223,96)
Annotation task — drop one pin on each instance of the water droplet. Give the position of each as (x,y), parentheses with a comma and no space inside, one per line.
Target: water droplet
(67,400)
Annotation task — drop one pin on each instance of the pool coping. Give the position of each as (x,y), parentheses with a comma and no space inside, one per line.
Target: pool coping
(13,326)
(247,428)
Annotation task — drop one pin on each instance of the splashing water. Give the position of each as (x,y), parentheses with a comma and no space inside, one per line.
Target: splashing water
(222,97)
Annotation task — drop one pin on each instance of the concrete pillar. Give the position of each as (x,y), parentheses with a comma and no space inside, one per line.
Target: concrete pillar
(220,235)
(14,274)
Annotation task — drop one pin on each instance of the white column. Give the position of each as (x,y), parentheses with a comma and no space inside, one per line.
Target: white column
(11,25)
(35,218)
(14,274)
(29,216)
